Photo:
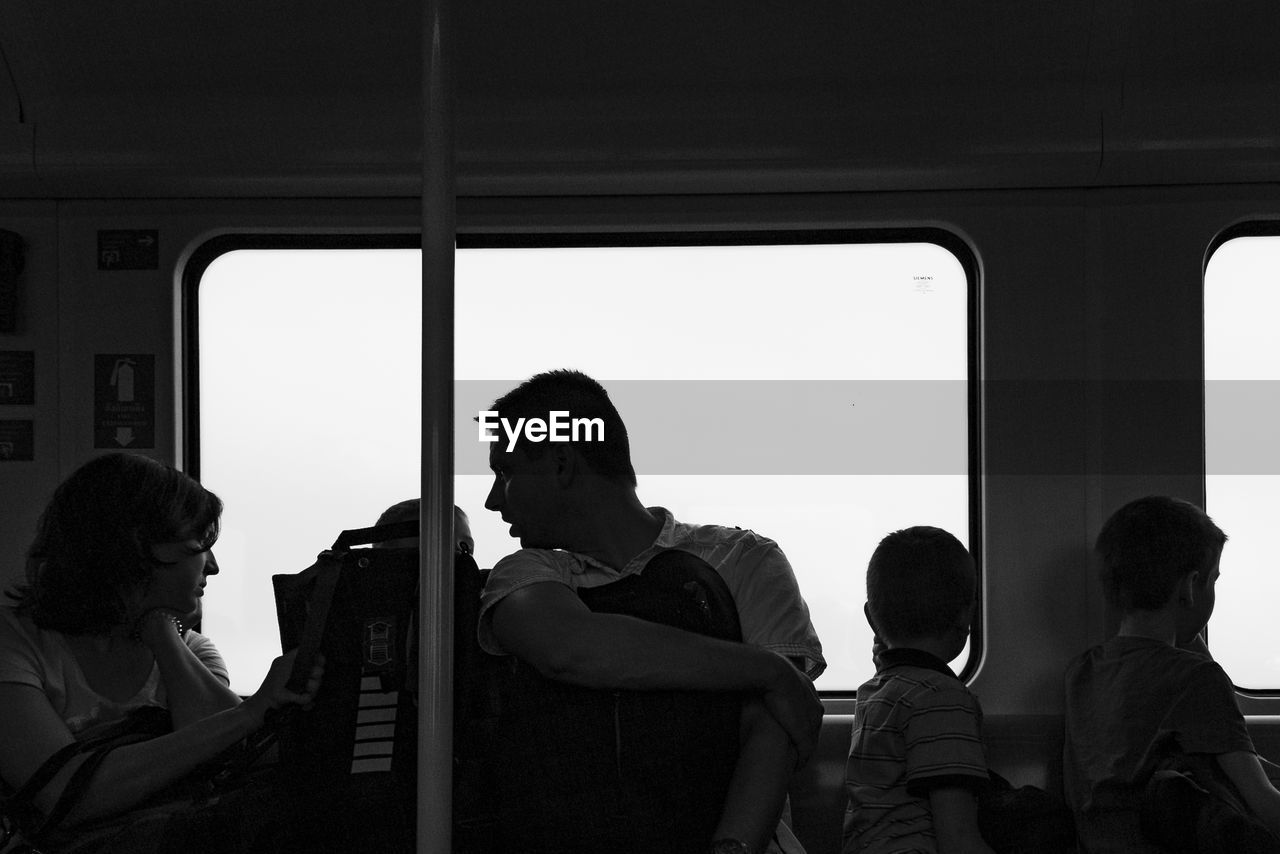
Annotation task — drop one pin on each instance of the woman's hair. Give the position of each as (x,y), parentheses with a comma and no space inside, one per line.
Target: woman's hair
(93,542)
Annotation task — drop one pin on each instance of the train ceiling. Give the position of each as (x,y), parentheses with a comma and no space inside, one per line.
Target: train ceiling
(144,98)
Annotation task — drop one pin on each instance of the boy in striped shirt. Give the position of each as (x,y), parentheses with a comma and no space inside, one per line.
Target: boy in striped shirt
(916,761)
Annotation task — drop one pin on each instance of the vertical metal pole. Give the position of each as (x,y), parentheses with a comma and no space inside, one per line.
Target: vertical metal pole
(435,605)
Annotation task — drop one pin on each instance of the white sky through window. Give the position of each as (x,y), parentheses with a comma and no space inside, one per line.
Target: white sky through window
(814,393)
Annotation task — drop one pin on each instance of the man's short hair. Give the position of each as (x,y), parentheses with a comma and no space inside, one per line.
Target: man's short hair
(408,511)
(1148,545)
(918,581)
(582,397)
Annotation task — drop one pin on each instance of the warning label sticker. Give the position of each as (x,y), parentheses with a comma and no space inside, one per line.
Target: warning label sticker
(124,400)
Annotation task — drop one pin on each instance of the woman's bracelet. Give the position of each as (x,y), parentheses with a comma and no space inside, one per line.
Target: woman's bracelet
(168,615)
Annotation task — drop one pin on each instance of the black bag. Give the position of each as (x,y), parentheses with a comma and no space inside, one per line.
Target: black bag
(479,682)
(623,771)
(1189,805)
(1024,820)
(350,762)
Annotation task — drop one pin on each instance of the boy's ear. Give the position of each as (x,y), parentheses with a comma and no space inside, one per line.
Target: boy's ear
(964,620)
(1186,589)
(866,612)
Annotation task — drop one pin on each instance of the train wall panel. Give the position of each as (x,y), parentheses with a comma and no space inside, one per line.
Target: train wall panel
(79,307)
(1082,293)
(25,484)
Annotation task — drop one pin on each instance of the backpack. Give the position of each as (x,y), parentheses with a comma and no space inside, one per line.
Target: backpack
(584,770)
(350,762)
(355,783)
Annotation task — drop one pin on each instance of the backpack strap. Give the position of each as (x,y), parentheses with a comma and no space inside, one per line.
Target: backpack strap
(323,582)
(44,773)
(140,725)
(74,790)
(375,534)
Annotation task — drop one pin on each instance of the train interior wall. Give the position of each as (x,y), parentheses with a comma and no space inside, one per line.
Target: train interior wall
(1090,326)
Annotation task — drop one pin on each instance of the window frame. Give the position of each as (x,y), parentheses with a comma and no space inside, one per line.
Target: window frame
(193,272)
(1244,228)
(204,255)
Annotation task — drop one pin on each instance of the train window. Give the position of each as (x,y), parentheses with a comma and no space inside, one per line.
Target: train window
(309,418)
(817,393)
(1242,475)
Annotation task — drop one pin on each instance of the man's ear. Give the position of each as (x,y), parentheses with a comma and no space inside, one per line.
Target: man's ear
(964,620)
(566,460)
(866,612)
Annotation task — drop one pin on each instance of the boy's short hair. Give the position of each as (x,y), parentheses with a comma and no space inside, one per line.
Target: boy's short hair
(1148,545)
(582,397)
(918,581)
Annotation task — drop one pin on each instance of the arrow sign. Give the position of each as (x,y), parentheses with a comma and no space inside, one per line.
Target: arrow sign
(129,249)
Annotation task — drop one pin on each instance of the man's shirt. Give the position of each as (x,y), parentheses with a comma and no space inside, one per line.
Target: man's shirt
(771,610)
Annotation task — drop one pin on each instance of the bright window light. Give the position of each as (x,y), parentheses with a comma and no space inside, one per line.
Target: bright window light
(817,394)
(1242,469)
(310,417)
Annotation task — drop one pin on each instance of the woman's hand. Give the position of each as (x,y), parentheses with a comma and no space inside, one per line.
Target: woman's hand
(193,674)
(275,693)
(158,626)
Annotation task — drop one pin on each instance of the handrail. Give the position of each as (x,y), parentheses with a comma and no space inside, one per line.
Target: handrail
(435,604)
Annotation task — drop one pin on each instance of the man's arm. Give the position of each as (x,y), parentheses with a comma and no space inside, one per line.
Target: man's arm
(548,627)
(761,777)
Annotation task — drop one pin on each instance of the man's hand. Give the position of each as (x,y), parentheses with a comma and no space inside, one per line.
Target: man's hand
(794,704)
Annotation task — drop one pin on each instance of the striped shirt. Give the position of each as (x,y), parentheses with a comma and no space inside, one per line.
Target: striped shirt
(915,727)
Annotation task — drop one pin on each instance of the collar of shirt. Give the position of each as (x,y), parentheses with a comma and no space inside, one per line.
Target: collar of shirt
(666,539)
(904,656)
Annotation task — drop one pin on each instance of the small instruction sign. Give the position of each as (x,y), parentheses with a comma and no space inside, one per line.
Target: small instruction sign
(17,377)
(124,400)
(17,441)
(131,249)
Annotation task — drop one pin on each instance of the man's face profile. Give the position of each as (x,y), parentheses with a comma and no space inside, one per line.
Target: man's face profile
(523,494)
